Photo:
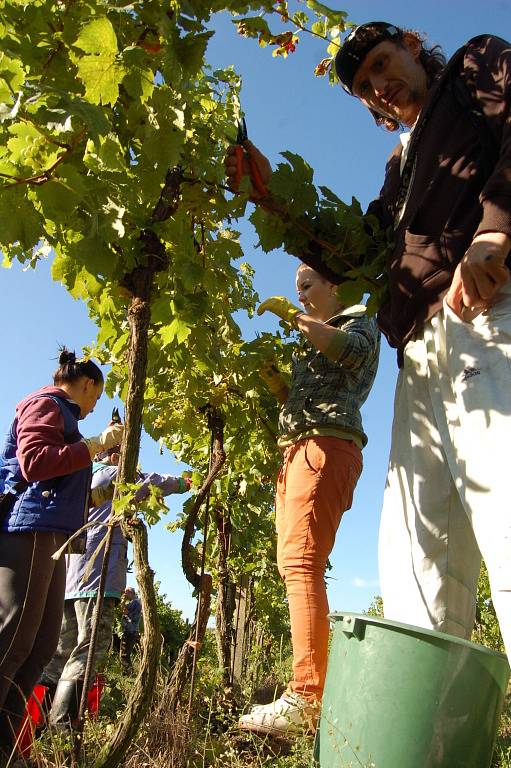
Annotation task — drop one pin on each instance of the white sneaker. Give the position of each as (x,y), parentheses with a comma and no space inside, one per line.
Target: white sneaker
(288,715)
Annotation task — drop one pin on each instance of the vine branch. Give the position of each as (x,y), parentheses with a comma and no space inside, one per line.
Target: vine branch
(286,17)
(43,176)
(216,425)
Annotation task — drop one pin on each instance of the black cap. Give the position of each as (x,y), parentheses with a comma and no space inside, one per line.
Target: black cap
(356,47)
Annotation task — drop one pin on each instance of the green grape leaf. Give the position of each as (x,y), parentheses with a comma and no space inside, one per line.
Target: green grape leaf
(64,269)
(102,77)
(335,17)
(90,115)
(351,292)
(19,221)
(190,50)
(163,149)
(270,229)
(94,253)
(12,77)
(177,330)
(57,199)
(98,37)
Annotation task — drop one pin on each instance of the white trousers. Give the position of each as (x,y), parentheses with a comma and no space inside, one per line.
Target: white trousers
(447,499)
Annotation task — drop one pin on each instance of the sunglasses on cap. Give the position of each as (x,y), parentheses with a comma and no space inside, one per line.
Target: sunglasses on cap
(356,47)
(109,452)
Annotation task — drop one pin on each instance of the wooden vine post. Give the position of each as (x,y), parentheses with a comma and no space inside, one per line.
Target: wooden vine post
(241,638)
(225,603)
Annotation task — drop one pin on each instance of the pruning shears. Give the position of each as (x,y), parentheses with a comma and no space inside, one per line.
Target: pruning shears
(116,416)
(255,175)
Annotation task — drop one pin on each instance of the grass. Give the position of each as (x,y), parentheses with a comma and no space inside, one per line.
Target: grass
(207,739)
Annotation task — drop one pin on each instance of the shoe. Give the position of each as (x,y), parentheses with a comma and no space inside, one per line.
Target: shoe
(291,714)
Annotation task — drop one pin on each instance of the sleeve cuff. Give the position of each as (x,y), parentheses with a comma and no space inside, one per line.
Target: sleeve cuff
(336,346)
(496,216)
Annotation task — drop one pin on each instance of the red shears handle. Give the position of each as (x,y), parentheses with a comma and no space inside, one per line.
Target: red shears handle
(255,175)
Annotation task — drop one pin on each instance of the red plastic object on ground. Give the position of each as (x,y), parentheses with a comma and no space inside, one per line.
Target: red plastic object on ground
(34,713)
(33,717)
(94,696)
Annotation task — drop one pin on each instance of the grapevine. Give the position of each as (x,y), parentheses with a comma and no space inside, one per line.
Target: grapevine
(113,130)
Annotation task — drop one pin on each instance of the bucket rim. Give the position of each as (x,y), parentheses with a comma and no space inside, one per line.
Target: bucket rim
(337,615)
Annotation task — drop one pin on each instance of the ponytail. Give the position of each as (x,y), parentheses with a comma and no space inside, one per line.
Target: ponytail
(70,369)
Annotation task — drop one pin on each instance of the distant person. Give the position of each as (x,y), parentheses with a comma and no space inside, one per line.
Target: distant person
(322,437)
(130,624)
(64,675)
(45,474)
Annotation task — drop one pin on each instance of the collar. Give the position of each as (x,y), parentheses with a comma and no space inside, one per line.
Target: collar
(357,310)
(405,136)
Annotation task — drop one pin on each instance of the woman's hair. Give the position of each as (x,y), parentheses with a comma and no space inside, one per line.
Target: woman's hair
(432,59)
(70,369)
(302,266)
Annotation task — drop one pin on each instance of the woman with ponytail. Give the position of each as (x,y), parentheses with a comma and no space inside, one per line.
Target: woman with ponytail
(45,477)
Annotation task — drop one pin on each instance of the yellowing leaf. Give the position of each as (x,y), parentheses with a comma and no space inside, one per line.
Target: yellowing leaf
(101,76)
(98,37)
(334,46)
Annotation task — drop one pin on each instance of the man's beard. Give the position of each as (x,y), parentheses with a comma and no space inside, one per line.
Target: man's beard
(413,99)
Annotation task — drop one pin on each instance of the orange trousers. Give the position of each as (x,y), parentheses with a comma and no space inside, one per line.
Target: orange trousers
(315,486)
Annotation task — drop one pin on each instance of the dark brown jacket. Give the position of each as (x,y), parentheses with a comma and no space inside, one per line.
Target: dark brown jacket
(453,195)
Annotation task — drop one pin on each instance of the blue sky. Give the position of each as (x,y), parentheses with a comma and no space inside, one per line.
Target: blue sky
(286,108)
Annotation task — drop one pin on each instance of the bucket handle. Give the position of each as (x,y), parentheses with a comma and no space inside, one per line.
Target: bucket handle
(352,625)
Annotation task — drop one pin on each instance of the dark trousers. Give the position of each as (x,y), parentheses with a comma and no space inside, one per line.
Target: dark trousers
(32,587)
(128,642)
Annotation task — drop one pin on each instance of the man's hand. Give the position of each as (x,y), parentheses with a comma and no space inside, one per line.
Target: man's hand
(251,157)
(480,275)
(281,307)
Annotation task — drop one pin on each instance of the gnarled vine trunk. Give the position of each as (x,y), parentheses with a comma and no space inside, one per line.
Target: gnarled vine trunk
(202,582)
(139,315)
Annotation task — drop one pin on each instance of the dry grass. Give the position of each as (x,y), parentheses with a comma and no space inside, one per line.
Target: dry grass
(207,739)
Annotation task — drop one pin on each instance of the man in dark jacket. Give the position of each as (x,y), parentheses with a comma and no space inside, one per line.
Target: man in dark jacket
(447,195)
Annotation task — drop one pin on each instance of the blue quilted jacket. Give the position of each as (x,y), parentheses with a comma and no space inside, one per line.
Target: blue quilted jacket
(57,505)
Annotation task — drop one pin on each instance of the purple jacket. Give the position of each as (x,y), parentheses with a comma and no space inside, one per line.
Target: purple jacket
(76,585)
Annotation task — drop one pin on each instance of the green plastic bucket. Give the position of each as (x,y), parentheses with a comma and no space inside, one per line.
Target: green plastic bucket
(398,696)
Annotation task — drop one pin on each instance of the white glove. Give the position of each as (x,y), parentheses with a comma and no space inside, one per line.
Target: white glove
(109,438)
(102,493)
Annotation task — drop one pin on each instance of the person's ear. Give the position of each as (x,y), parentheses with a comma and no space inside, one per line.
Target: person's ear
(413,44)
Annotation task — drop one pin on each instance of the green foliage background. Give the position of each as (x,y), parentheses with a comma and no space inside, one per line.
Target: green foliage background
(113,130)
